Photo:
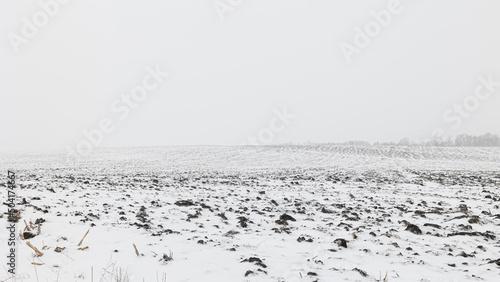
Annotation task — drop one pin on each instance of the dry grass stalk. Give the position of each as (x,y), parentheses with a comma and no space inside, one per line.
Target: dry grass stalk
(136,251)
(21,235)
(27,227)
(83,249)
(39,230)
(17,213)
(81,241)
(31,225)
(34,249)
(36,263)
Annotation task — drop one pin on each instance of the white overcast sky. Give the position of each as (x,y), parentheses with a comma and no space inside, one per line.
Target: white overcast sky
(227,76)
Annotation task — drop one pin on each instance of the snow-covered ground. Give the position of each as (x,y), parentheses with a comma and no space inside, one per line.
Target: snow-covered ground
(280,213)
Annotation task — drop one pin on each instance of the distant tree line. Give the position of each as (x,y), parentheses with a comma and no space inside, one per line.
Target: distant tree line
(485,140)
(462,140)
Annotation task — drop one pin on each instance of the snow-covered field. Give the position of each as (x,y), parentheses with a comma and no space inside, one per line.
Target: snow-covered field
(280,213)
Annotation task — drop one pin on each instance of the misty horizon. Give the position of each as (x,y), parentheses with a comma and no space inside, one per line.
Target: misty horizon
(304,72)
